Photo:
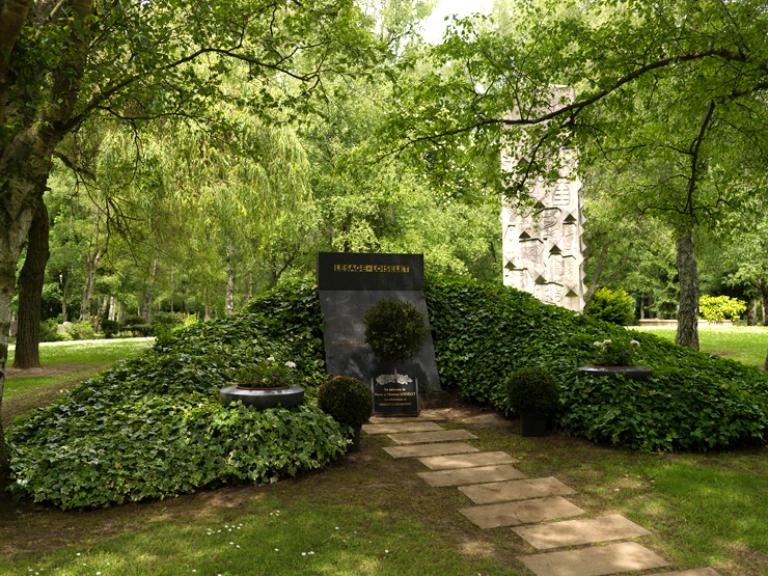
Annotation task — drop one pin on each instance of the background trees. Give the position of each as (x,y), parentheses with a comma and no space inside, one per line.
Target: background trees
(64,63)
(671,92)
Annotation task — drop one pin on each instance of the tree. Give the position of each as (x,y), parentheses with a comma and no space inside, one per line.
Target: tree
(63,62)
(699,67)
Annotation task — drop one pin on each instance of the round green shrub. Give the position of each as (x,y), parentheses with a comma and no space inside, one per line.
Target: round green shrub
(347,399)
(615,306)
(394,329)
(532,390)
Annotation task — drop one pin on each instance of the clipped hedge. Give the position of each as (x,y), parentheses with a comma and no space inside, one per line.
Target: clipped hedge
(153,426)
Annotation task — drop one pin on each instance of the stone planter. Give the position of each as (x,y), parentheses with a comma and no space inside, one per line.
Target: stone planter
(632,372)
(263,398)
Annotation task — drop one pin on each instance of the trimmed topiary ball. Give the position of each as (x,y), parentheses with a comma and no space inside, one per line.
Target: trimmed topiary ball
(346,399)
(532,390)
(394,329)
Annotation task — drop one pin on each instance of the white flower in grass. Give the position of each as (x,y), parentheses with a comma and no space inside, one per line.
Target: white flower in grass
(634,343)
(290,364)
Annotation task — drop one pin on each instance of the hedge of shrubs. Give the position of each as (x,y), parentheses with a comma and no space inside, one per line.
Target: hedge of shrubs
(153,426)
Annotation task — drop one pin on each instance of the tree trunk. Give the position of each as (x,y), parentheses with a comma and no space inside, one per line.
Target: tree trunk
(7,288)
(112,313)
(688,309)
(63,290)
(31,282)
(752,312)
(102,312)
(34,123)
(764,303)
(229,301)
(594,281)
(149,295)
(91,264)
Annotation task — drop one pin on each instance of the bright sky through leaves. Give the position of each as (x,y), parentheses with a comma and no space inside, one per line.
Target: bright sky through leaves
(434,26)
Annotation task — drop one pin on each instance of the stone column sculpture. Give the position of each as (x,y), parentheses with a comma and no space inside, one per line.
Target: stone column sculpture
(541,237)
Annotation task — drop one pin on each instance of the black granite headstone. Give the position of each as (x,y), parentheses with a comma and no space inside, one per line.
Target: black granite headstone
(350,284)
(395,395)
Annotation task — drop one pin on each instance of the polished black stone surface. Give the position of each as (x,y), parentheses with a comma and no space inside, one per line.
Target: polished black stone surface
(349,292)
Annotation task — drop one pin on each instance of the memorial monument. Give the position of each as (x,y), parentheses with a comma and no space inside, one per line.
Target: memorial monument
(542,245)
(350,284)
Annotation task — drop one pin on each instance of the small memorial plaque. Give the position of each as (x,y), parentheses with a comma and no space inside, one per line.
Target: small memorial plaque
(395,395)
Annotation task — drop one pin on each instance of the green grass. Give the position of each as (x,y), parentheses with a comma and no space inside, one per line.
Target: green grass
(701,509)
(64,364)
(87,351)
(746,344)
(278,536)
(24,385)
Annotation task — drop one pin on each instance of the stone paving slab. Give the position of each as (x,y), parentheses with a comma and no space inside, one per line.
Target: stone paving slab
(395,427)
(577,532)
(594,561)
(463,476)
(694,572)
(467,460)
(523,512)
(437,449)
(399,419)
(516,490)
(425,437)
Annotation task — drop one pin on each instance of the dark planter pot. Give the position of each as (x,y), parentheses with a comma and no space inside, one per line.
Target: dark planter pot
(355,446)
(263,398)
(632,372)
(534,424)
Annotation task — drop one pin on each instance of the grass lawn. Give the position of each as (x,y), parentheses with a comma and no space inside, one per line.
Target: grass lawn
(65,364)
(747,344)
(372,515)
(87,351)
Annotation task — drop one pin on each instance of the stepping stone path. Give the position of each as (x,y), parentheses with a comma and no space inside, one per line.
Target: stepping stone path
(534,508)
(463,476)
(517,490)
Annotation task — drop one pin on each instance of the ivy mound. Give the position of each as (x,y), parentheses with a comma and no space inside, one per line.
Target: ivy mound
(693,401)
(153,427)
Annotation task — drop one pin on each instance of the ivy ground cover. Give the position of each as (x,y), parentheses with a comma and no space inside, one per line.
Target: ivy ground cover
(152,427)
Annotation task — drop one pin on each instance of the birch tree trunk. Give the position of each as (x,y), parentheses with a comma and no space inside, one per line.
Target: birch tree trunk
(91,265)
(229,302)
(149,295)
